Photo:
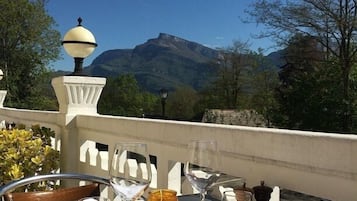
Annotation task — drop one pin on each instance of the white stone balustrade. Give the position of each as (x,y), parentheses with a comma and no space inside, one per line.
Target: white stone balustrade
(2,97)
(320,164)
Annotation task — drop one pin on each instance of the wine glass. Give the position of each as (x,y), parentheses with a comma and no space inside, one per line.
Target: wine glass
(201,168)
(130,172)
(95,198)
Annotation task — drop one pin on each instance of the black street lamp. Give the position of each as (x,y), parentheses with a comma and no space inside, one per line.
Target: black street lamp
(79,43)
(163,94)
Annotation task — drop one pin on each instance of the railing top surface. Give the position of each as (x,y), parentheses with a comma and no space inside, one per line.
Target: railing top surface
(352,137)
(312,134)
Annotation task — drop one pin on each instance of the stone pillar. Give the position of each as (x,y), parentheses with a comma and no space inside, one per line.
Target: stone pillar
(2,97)
(76,95)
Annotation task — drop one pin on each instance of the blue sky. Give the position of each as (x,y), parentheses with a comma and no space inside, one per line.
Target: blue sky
(121,24)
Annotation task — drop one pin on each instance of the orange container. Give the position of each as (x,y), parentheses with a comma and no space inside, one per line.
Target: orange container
(162,195)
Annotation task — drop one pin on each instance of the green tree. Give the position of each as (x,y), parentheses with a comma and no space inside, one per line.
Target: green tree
(331,23)
(235,62)
(246,81)
(122,96)
(263,79)
(308,94)
(28,43)
(180,104)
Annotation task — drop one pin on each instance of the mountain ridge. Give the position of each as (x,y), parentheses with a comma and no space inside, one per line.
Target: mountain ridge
(167,62)
(163,62)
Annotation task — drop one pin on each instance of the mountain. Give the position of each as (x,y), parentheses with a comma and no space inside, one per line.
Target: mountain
(163,62)
(166,62)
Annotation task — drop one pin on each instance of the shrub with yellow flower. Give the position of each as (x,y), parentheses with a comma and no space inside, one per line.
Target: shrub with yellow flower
(26,153)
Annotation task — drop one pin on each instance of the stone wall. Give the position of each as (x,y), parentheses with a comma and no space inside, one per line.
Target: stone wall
(234,117)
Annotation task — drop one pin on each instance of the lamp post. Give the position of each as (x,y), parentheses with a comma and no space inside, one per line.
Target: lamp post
(79,43)
(163,94)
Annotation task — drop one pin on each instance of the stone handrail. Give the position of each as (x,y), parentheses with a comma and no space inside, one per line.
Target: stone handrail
(320,164)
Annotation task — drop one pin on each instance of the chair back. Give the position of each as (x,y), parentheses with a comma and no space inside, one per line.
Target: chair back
(65,194)
(62,194)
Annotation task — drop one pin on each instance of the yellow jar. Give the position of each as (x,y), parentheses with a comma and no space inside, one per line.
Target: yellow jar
(162,195)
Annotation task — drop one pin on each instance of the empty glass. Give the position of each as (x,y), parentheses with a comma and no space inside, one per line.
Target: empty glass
(201,169)
(130,172)
(95,198)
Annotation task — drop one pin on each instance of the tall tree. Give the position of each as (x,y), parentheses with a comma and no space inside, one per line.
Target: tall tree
(263,79)
(308,94)
(180,103)
(331,22)
(246,80)
(122,96)
(28,42)
(235,62)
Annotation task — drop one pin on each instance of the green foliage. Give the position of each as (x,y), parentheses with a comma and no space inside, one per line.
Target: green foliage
(240,62)
(44,133)
(263,79)
(180,104)
(246,81)
(226,90)
(122,96)
(309,94)
(331,24)
(26,153)
(29,43)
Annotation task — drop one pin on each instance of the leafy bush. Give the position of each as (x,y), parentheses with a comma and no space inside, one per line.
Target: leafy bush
(26,153)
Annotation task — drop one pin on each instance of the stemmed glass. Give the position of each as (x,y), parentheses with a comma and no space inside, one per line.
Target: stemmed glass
(201,169)
(130,172)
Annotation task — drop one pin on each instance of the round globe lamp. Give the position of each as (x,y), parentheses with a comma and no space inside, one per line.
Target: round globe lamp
(79,43)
